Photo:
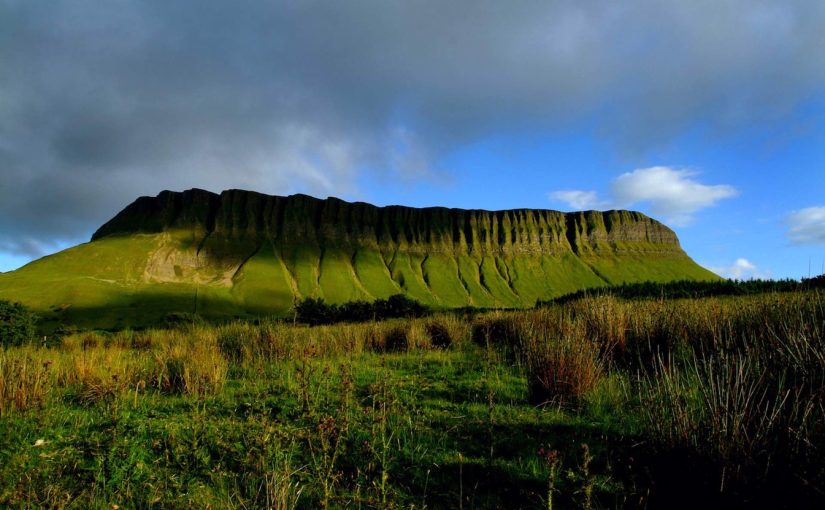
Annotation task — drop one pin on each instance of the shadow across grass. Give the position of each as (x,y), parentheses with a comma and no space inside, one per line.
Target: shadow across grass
(145,309)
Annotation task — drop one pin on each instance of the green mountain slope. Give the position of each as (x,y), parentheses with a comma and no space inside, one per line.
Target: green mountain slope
(244,253)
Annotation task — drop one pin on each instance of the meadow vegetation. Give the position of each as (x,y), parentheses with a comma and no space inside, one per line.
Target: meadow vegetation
(597,402)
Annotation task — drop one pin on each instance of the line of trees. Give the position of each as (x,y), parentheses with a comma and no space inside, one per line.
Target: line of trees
(315,311)
(692,289)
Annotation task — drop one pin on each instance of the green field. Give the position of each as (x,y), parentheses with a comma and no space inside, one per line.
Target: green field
(598,403)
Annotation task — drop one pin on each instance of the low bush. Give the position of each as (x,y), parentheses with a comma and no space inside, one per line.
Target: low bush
(17,324)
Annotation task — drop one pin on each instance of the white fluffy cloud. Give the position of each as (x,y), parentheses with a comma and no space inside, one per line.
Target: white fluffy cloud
(807,226)
(741,269)
(673,194)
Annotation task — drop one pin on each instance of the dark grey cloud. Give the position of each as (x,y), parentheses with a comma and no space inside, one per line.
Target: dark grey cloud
(103,101)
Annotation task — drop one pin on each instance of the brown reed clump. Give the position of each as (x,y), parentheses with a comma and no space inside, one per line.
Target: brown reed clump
(459,328)
(604,320)
(561,370)
(498,329)
(395,339)
(99,374)
(440,337)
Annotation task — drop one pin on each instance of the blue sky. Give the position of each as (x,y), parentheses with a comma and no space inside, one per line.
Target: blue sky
(707,115)
(773,174)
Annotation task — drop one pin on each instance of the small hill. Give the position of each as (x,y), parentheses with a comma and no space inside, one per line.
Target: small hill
(241,253)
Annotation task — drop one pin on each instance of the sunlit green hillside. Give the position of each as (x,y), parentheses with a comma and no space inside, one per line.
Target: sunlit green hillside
(220,256)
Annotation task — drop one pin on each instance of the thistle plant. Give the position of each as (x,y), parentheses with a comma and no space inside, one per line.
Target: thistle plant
(552,460)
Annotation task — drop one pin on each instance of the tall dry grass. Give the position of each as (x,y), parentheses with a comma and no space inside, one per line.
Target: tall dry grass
(734,378)
(189,363)
(563,358)
(26,379)
(746,391)
(737,380)
(245,343)
(195,360)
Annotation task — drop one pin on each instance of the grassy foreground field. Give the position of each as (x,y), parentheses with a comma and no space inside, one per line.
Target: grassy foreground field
(598,403)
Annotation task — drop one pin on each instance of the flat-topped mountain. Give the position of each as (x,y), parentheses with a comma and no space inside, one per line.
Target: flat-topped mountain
(301,219)
(241,252)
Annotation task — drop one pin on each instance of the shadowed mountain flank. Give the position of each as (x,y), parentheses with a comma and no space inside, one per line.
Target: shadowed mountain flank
(258,253)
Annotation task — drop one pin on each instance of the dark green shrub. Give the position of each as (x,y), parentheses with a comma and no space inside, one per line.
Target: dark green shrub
(356,311)
(397,306)
(314,311)
(17,324)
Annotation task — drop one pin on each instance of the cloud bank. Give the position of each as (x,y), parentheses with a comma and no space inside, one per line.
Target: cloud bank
(669,193)
(104,101)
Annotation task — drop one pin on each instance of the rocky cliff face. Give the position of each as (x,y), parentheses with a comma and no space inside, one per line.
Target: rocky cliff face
(301,220)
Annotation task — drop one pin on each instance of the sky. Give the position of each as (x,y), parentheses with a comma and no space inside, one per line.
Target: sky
(708,115)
